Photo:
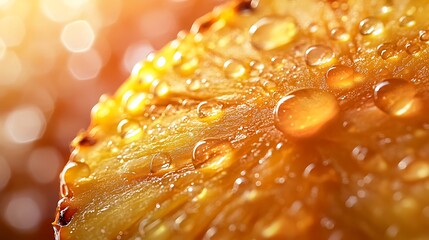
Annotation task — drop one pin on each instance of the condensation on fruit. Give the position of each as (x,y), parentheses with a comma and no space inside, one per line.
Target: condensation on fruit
(305,112)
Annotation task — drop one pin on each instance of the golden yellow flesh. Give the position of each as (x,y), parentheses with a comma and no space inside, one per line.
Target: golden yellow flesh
(273,119)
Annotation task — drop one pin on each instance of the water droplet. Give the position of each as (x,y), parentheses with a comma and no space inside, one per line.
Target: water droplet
(367,160)
(371,26)
(130,130)
(212,109)
(239,184)
(396,97)
(246,6)
(103,110)
(318,55)
(162,89)
(413,170)
(342,77)
(187,65)
(317,172)
(72,173)
(305,112)
(424,35)
(194,84)
(65,212)
(135,103)
(211,153)
(270,33)
(160,162)
(234,69)
(407,21)
(387,50)
(412,48)
(340,34)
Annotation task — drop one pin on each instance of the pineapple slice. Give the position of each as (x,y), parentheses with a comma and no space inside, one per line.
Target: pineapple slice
(270,119)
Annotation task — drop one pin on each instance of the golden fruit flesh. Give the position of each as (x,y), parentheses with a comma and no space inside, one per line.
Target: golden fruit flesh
(271,119)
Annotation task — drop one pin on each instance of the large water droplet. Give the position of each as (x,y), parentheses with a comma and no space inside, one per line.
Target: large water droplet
(104,110)
(305,112)
(135,103)
(130,130)
(211,109)
(162,89)
(371,26)
(187,65)
(368,160)
(318,55)
(396,97)
(387,50)
(412,48)
(211,153)
(407,21)
(413,169)
(160,162)
(271,33)
(234,69)
(340,34)
(342,77)
(424,35)
(72,173)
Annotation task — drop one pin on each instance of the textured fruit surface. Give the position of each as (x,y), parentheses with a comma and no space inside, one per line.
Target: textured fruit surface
(271,119)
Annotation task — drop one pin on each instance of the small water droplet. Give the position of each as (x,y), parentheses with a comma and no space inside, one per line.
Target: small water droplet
(160,162)
(211,153)
(305,112)
(318,55)
(387,50)
(130,130)
(342,77)
(424,35)
(407,21)
(413,169)
(270,33)
(212,109)
(234,69)
(135,103)
(371,26)
(396,97)
(340,34)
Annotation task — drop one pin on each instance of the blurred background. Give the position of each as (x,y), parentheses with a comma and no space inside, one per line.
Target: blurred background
(56,58)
